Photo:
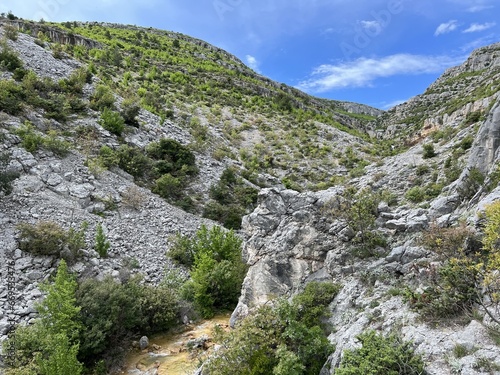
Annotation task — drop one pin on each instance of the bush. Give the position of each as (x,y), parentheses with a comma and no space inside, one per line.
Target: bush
(132,160)
(359,210)
(9,59)
(12,97)
(466,143)
(49,238)
(172,157)
(11,32)
(112,121)
(233,198)
(169,187)
(217,269)
(58,146)
(381,355)
(428,151)
(102,245)
(43,238)
(416,194)
(111,311)
(129,112)
(102,98)
(6,176)
(50,345)
(282,339)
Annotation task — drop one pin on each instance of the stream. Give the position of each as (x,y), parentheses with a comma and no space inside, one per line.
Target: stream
(168,352)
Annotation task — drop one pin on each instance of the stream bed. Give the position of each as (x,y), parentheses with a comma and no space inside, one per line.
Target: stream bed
(169,354)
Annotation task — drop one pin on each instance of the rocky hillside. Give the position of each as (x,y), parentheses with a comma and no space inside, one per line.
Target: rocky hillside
(333,191)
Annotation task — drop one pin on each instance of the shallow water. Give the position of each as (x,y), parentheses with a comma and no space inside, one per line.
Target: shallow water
(173,357)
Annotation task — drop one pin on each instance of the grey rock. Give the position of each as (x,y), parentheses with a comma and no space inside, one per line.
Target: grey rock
(412,253)
(143,343)
(54,179)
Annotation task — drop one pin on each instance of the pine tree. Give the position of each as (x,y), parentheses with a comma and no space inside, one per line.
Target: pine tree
(58,311)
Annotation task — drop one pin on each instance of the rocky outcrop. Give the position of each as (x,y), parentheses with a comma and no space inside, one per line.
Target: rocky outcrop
(55,34)
(485,153)
(287,243)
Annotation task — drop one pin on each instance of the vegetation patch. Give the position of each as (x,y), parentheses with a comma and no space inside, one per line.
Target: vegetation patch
(287,337)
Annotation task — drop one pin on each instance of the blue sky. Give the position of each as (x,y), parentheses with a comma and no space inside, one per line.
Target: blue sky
(376,52)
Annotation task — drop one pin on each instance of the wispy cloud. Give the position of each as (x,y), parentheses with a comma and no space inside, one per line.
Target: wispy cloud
(374,26)
(446,27)
(252,63)
(479,8)
(362,72)
(476,27)
(386,106)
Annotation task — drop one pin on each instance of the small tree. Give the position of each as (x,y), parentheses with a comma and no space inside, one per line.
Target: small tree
(217,270)
(50,345)
(102,245)
(58,311)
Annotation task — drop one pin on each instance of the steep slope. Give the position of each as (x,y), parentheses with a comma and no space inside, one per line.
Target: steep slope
(230,110)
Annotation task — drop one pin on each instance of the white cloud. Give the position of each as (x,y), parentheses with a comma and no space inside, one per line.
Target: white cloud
(252,63)
(446,27)
(479,8)
(476,27)
(363,71)
(375,26)
(386,106)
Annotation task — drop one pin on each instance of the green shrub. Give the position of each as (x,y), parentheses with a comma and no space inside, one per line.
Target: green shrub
(359,210)
(472,117)
(132,160)
(233,199)
(58,146)
(108,157)
(76,81)
(112,121)
(229,215)
(102,98)
(422,169)
(217,269)
(452,293)
(6,177)
(183,250)
(11,32)
(466,143)
(172,157)
(9,59)
(129,112)
(102,245)
(49,238)
(50,345)
(428,151)
(281,339)
(381,355)
(416,194)
(12,97)
(169,187)
(43,238)
(111,311)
